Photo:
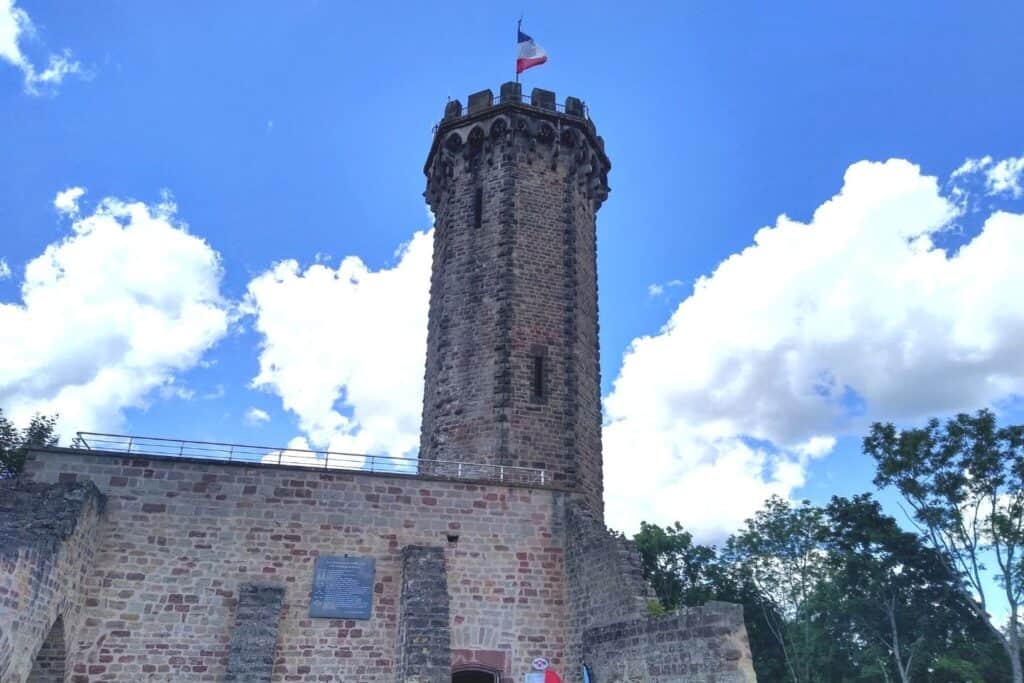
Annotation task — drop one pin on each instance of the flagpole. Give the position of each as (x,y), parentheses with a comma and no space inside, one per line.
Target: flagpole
(519,28)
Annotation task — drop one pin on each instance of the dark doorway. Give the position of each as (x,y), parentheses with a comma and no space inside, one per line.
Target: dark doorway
(51,660)
(475,676)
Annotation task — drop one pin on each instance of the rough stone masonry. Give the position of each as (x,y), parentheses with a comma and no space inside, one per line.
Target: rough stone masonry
(493,553)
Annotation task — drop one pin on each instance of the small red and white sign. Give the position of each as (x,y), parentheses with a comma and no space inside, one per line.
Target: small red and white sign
(541,673)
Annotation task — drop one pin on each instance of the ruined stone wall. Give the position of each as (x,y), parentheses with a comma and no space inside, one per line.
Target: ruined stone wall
(611,628)
(605,579)
(693,645)
(48,537)
(182,537)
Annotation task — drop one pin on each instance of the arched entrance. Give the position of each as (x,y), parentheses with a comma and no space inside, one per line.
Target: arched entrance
(52,658)
(475,676)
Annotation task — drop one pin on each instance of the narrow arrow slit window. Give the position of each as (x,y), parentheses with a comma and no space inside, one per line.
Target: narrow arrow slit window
(538,376)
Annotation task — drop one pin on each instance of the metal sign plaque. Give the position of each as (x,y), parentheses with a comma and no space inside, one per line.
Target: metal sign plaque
(342,587)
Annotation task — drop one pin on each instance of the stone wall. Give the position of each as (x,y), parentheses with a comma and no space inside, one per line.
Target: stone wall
(48,537)
(182,537)
(695,645)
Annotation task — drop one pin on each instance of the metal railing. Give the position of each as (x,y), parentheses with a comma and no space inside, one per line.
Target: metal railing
(329,460)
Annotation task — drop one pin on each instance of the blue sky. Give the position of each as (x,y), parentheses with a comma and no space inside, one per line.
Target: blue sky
(291,136)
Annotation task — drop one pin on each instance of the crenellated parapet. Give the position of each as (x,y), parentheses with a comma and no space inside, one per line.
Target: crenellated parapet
(559,136)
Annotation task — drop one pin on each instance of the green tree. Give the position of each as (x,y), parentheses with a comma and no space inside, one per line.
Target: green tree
(15,443)
(781,552)
(964,483)
(896,599)
(680,571)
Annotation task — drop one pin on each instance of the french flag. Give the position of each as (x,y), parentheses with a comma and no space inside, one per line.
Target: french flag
(530,53)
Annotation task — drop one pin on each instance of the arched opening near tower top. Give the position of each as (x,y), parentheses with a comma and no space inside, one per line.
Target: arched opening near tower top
(475,676)
(51,661)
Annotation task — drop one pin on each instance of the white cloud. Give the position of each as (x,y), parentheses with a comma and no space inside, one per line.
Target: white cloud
(256,417)
(109,316)
(66,201)
(1001,177)
(172,390)
(971,166)
(855,315)
(5,270)
(1006,176)
(218,391)
(344,348)
(297,452)
(15,24)
(659,289)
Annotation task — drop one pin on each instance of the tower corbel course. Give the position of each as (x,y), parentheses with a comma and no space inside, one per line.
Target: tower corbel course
(512,374)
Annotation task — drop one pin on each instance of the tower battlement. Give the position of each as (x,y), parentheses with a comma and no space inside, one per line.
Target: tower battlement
(540,118)
(512,374)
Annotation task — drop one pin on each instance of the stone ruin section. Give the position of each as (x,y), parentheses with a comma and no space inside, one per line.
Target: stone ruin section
(612,629)
(706,644)
(48,539)
(512,374)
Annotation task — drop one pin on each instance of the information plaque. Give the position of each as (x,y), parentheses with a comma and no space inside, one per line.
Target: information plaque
(342,587)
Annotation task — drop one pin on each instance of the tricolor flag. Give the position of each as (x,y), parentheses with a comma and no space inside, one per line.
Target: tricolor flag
(530,53)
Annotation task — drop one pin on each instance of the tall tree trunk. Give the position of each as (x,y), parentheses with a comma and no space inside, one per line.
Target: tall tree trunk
(1013,648)
(904,671)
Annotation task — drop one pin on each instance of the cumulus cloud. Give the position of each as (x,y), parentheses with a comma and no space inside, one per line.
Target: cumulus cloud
(16,25)
(256,417)
(66,201)
(812,329)
(5,270)
(110,315)
(344,348)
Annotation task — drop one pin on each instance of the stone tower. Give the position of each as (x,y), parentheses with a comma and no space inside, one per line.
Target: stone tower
(512,374)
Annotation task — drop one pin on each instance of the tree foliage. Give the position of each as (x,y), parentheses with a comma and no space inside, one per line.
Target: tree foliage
(897,598)
(781,552)
(964,483)
(839,593)
(15,443)
(680,571)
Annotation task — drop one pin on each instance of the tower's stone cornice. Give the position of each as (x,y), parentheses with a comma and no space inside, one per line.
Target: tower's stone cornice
(566,131)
